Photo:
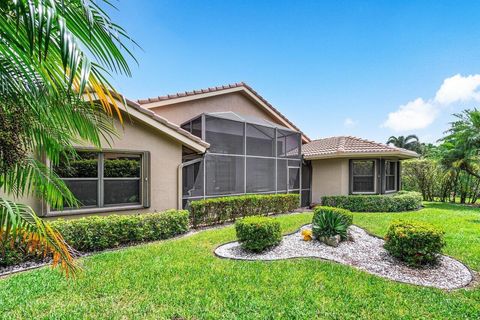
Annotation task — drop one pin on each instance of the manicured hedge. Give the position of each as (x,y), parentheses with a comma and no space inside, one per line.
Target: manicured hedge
(416,243)
(218,210)
(402,201)
(258,233)
(330,221)
(104,232)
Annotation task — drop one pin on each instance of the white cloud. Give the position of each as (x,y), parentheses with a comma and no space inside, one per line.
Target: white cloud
(349,123)
(459,89)
(420,113)
(416,114)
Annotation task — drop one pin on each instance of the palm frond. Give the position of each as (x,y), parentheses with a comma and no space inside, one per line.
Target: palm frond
(32,177)
(19,223)
(53,55)
(48,44)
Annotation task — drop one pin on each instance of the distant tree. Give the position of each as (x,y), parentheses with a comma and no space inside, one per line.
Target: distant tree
(410,142)
(461,146)
(428,150)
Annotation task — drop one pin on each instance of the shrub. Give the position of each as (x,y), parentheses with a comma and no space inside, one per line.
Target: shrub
(416,243)
(402,201)
(330,221)
(104,232)
(258,233)
(218,210)
(16,254)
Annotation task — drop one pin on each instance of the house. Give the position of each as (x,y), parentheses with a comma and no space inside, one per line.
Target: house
(350,165)
(215,142)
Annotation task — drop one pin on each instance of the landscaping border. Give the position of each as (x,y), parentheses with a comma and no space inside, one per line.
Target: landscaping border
(190,232)
(473,283)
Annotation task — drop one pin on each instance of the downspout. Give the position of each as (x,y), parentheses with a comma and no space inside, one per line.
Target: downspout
(179,186)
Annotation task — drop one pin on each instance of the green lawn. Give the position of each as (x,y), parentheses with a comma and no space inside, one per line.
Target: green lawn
(182,278)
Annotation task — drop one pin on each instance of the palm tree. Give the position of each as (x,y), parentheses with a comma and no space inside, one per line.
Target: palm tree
(461,145)
(409,142)
(55,58)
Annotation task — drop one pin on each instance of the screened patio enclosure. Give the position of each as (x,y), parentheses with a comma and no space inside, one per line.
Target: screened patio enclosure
(246,156)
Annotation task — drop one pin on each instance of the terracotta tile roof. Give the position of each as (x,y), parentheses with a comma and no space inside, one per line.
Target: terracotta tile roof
(220,88)
(348,145)
(162,120)
(192,93)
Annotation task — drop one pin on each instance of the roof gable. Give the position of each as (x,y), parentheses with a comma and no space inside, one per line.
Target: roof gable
(241,87)
(151,119)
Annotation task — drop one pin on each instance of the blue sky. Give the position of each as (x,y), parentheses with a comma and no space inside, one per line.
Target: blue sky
(332,67)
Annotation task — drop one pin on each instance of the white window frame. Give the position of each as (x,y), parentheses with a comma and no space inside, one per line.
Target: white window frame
(395,174)
(374,177)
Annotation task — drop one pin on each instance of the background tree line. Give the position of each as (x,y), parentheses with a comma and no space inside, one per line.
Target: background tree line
(449,171)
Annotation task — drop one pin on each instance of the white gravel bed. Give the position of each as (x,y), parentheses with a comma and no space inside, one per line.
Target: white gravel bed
(366,253)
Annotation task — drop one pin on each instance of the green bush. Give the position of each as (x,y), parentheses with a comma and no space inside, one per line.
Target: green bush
(401,201)
(218,210)
(258,233)
(104,232)
(330,221)
(16,254)
(99,233)
(416,243)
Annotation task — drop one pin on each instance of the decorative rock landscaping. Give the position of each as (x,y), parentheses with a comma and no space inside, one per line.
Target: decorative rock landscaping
(365,252)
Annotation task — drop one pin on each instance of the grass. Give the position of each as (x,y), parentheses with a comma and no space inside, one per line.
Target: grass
(183,279)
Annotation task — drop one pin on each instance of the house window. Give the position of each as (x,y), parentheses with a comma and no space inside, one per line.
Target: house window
(101,180)
(121,179)
(363,176)
(390,176)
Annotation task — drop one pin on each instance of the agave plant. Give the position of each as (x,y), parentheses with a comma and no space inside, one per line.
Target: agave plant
(55,60)
(329,223)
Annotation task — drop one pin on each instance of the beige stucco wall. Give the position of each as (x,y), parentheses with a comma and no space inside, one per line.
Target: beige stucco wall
(236,102)
(329,177)
(165,157)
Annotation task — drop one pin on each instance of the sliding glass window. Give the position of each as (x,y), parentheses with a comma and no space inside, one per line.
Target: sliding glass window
(107,179)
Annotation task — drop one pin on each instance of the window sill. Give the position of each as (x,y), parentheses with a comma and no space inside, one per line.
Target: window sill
(360,193)
(390,191)
(92,210)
